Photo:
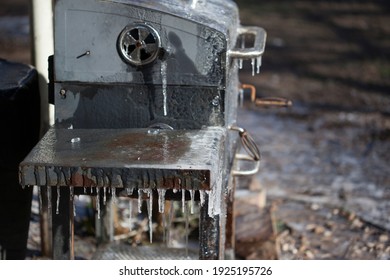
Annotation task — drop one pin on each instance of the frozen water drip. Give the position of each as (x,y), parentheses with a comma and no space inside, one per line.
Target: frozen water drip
(104,195)
(130,213)
(241,61)
(40,199)
(258,63)
(113,195)
(183,200)
(161,200)
(150,214)
(98,202)
(129,191)
(253,63)
(71,193)
(192,194)
(202,195)
(140,201)
(164,85)
(48,198)
(58,201)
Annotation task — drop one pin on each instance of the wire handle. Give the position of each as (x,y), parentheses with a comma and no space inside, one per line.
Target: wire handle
(251,148)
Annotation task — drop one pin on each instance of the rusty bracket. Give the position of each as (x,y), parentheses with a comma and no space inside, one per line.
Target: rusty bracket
(266,102)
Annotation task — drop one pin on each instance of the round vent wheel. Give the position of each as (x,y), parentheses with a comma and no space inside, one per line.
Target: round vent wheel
(139,44)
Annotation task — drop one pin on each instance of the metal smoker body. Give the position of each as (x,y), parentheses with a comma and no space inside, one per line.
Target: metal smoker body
(145,98)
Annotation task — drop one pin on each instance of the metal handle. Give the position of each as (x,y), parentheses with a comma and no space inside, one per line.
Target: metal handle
(257,50)
(251,148)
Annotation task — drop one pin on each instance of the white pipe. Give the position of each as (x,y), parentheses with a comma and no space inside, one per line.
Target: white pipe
(43,47)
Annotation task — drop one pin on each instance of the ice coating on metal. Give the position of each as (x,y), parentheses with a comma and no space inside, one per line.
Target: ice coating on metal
(218,14)
(195,35)
(109,158)
(194,3)
(138,106)
(191,160)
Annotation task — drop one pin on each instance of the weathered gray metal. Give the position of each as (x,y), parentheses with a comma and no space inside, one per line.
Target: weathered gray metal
(193,41)
(126,158)
(145,95)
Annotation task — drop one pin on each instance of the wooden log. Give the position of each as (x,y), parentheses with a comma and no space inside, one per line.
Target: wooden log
(255,237)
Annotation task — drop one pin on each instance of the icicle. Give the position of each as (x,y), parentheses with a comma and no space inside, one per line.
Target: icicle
(186,217)
(164,85)
(98,202)
(71,193)
(113,195)
(241,97)
(130,213)
(241,61)
(58,201)
(183,200)
(150,215)
(202,195)
(161,200)
(129,191)
(140,201)
(258,63)
(104,195)
(175,190)
(40,199)
(49,198)
(85,190)
(211,203)
(192,194)
(253,62)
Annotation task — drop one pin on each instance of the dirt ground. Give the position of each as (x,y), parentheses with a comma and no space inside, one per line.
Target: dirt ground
(325,161)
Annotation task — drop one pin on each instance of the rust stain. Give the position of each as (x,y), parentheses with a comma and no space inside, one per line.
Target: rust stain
(81,180)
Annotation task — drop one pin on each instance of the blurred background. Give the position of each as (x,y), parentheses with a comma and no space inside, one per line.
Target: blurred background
(325,168)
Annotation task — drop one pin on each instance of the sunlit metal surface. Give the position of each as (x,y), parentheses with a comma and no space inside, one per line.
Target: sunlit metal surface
(120,158)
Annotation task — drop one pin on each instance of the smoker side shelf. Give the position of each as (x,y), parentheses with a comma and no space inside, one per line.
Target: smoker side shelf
(140,158)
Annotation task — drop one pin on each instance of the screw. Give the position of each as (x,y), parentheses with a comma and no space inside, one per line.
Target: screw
(63,93)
